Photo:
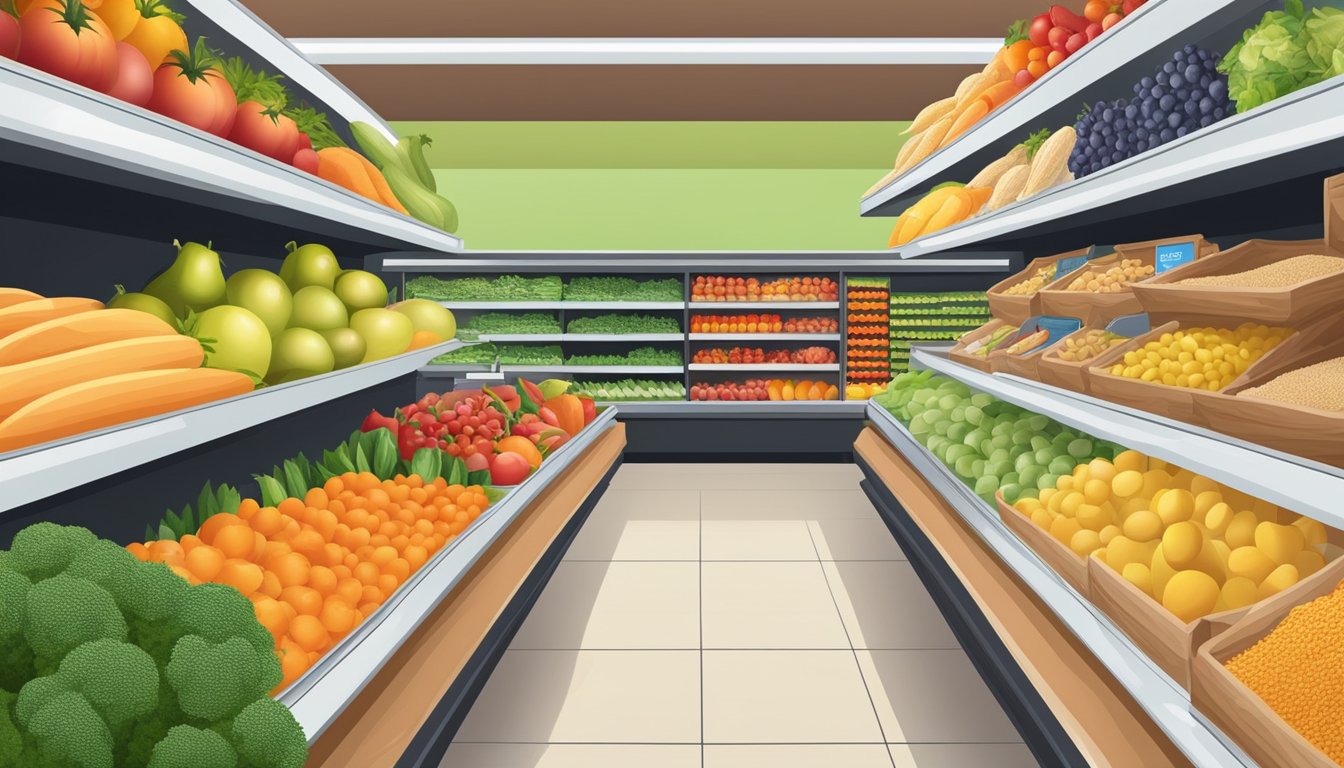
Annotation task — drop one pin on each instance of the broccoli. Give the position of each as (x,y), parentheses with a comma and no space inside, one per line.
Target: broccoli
(217,612)
(65,612)
(118,679)
(266,735)
(11,740)
(214,681)
(66,728)
(188,747)
(43,550)
(16,657)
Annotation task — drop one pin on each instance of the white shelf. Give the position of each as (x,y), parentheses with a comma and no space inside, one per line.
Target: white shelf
(615,306)
(1293,136)
(764,367)
(765,337)
(35,473)
(780,306)
(318,697)
(504,337)
(1167,704)
(621,369)
(97,137)
(1306,487)
(1068,85)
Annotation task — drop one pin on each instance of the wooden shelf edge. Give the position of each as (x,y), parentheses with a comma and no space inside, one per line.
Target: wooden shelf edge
(1106,725)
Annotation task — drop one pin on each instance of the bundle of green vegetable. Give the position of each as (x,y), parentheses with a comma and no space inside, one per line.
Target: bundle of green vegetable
(1288,50)
(106,661)
(502,288)
(624,324)
(501,323)
(630,390)
(905,299)
(475,354)
(641,356)
(608,288)
(936,322)
(523,354)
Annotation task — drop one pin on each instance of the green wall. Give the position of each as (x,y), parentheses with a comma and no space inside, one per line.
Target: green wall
(662,186)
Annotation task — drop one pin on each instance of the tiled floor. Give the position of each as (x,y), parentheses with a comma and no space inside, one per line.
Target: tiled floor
(735,616)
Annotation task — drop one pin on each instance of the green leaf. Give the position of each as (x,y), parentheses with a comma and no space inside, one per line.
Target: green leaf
(229,498)
(427,463)
(479,477)
(173,522)
(362,460)
(384,454)
(205,501)
(324,474)
(166,533)
(495,494)
(456,472)
(150,535)
(296,482)
(272,492)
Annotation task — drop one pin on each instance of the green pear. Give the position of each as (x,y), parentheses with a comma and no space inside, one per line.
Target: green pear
(142,302)
(553,388)
(307,265)
(262,293)
(194,281)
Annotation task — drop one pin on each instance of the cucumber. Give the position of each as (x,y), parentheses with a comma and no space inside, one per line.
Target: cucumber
(377,148)
(419,202)
(411,150)
(448,211)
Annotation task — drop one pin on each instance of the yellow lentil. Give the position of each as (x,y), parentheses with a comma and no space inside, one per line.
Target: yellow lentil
(1280,274)
(1315,386)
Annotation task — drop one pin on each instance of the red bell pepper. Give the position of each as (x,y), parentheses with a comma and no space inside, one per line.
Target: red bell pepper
(376,420)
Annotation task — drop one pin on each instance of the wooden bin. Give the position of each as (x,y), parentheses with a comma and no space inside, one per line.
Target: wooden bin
(1063,560)
(1025,366)
(1018,309)
(977,362)
(1307,432)
(1236,709)
(1097,309)
(1065,373)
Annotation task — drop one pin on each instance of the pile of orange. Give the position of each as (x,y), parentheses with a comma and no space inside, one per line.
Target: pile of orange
(316,567)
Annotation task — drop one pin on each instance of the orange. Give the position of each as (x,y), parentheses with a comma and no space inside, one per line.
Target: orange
(309,633)
(333,487)
(213,525)
(306,600)
(337,616)
(270,585)
(399,568)
(235,540)
(316,497)
(267,521)
(291,507)
(309,543)
(415,556)
(371,596)
(248,508)
(377,497)
(205,562)
(349,590)
(163,550)
(140,551)
(293,661)
(322,579)
(422,339)
(241,575)
(273,616)
(367,573)
(387,583)
(188,576)
(292,569)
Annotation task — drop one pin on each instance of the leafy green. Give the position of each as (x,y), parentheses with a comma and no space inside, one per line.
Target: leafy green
(475,354)
(640,356)
(523,354)
(612,288)
(500,322)
(624,324)
(1288,50)
(502,288)
(630,390)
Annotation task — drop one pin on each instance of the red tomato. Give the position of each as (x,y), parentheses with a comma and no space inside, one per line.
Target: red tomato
(9,36)
(135,79)
(256,130)
(305,141)
(1040,29)
(289,131)
(226,104)
(66,39)
(189,89)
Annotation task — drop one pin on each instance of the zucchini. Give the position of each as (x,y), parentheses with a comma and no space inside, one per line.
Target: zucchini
(419,202)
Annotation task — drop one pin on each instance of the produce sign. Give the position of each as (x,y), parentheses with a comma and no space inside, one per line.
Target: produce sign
(762,324)
(502,288)
(109,660)
(640,356)
(624,324)
(609,288)
(631,390)
(720,288)
(756,355)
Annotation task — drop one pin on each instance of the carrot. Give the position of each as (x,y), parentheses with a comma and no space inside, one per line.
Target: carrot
(16,317)
(25,382)
(12,296)
(380,183)
(340,166)
(999,94)
(86,329)
(113,400)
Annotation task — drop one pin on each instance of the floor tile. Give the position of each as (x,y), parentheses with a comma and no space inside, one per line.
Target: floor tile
(637,525)
(630,697)
(756,540)
(885,606)
(769,605)
(772,697)
(961,756)
(572,756)
(797,756)
(933,696)
(787,505)
(617,605)
(862,539)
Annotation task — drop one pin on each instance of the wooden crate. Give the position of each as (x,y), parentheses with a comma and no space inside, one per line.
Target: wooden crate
(958,352)
(1016,309)
(1063,560)
(1067,374)
(1097,309)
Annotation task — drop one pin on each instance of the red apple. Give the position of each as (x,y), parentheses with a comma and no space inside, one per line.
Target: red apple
(509,469)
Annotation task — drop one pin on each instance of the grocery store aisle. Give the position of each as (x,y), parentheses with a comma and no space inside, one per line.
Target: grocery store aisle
(734,615)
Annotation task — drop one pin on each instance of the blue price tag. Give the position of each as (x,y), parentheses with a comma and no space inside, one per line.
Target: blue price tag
(1065,266)
(1173,255)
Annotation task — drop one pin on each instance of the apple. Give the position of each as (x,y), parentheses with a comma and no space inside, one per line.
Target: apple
(509,469)
(477,462)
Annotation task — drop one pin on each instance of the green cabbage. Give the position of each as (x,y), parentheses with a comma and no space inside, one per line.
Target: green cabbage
(1288,50)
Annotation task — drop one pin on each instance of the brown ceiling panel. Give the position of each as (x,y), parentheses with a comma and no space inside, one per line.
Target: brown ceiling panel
(655,18)
(740,92)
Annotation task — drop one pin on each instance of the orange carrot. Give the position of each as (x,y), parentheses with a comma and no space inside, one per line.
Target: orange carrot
(380,184)
(340,166)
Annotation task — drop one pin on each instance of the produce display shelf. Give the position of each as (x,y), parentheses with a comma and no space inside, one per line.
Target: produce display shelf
(324,691)
(776,305)
(1153,690)
(35,473)
(538,337)
(87,135)
(614,369)
(1292,136)
(795,409)
(453,369)
(667,262)
(552,337)
(765,337)
(764,367)
(612,305)
(1306,487)
(1150,28)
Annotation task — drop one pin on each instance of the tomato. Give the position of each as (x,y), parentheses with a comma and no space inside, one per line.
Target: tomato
(305,160)
(66,39)
(271,134)
(1040,29)
(135,80)
(9,36)
(156,34)
(189,89)
(289,131)
(120,16)
(305,141)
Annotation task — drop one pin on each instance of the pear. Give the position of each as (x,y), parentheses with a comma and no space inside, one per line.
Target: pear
(194,281)
(262,293)
(553,388)
(310,264)
(142,302)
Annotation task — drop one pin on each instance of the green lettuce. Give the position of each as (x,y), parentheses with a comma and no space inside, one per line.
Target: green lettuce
(1325,41)
(1287,51)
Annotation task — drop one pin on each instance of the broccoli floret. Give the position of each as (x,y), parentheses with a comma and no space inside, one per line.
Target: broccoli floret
(214,681)
(188,747)
(11,741)
(266,735)
(118,679)
(218,612)
(43,550)
(36,694)
(65,612)
(16,657)
(66,728)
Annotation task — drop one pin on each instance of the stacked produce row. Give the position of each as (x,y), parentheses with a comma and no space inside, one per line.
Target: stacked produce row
(1176,560)
(930,318)
(867,348)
